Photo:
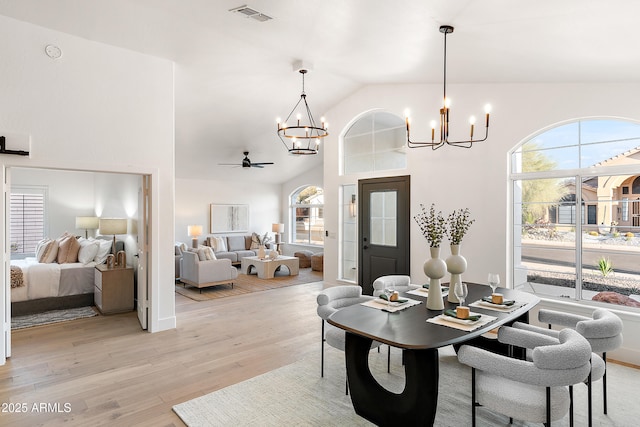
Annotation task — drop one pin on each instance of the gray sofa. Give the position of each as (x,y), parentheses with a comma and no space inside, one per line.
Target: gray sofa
(237,247)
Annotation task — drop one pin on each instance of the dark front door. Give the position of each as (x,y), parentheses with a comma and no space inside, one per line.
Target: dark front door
(383,229)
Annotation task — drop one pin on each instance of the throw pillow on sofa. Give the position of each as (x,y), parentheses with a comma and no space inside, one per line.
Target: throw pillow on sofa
(219,244)
(180,247)
(205,253)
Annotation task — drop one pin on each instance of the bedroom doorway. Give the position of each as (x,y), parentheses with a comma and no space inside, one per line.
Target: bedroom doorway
(69,195)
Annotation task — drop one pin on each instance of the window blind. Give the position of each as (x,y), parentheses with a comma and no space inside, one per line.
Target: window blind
(27,222)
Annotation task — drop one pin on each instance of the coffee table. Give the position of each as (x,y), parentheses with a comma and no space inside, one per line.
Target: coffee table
(266,268)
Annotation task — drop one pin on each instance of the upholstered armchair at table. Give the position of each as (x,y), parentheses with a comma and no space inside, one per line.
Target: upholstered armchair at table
(401,283)
(534,390)
(329,301)
(204,273)
(603,331)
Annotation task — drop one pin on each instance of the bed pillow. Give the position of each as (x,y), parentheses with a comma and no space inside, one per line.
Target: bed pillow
(104,249)
(68,248)
(47,251)
(88,250)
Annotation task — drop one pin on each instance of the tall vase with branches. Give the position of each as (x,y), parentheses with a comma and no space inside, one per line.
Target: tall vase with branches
(458,223)
(433,227)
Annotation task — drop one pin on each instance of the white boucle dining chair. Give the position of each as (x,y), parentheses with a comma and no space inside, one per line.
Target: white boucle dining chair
(329,301)
(603,331)
(400,282)
(535,390)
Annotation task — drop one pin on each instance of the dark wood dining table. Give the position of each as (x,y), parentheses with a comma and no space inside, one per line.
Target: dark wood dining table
(409,330)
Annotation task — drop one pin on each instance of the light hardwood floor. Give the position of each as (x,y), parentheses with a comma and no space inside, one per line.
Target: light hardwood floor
(110,372)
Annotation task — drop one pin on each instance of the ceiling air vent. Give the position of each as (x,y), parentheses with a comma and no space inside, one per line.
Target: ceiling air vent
(251,13)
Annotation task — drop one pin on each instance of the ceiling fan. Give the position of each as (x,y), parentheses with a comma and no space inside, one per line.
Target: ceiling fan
(246,163)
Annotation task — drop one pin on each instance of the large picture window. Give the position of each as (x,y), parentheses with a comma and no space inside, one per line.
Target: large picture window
(307,211)
(576,212)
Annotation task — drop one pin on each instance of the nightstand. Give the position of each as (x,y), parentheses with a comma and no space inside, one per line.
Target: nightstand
(113,289)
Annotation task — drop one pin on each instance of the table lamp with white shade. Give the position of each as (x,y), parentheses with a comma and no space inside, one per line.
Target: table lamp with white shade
(113,226)
(194,231)
(87,223)
(278,229)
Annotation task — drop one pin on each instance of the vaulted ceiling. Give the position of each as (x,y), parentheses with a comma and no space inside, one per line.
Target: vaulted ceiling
(234,74)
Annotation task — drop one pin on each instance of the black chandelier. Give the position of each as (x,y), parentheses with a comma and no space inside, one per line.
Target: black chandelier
(302,138)
(444,116)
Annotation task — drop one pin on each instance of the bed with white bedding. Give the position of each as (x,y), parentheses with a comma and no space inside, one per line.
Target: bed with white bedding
(52,280)
(38,286)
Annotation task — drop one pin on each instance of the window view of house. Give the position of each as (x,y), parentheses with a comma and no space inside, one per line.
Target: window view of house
(307,206)
(576,212)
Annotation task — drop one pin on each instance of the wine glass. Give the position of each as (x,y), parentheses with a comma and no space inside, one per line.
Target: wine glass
(494,281)
(460,290)
(389,289)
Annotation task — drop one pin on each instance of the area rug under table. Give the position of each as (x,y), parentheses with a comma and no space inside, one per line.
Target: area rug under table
(53,316)
(296,395)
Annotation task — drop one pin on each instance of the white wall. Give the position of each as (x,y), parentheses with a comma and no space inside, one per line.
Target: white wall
(98,108)
(69,194)
(193,197)
(476,178)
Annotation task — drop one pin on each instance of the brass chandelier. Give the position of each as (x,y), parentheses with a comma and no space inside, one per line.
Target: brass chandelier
(444,116)
(304,136)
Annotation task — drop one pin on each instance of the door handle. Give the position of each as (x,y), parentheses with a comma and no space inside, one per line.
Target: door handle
(365,247)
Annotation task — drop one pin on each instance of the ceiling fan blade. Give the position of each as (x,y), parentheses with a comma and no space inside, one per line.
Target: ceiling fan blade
(256,165)
(261,164)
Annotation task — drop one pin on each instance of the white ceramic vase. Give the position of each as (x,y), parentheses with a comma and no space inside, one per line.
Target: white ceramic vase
(261,252)
(435,268)
(456,265)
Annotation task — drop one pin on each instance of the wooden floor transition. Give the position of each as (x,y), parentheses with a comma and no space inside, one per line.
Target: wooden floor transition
(106,371)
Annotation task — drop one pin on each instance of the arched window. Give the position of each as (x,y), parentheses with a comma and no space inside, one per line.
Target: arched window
(573,216)
(307,213)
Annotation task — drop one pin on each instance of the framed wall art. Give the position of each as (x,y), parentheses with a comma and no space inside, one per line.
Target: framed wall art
(229,218)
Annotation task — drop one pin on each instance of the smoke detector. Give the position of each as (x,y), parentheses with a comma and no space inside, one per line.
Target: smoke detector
(53,51)
(251,13)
